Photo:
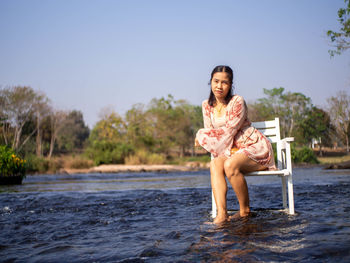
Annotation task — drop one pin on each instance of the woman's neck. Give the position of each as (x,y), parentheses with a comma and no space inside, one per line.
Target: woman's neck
(220,102)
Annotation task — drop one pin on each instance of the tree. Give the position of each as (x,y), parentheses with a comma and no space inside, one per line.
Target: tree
(339,110)
(165,126)
(140,128)
(57,122)
(162,115)
(271,106)
(182,126)
(107,140)
(341,39)
(174,125)
(17,106)
(196,122)
(315,125)
(295,107)
(42,110)
(290,107)
(73,133)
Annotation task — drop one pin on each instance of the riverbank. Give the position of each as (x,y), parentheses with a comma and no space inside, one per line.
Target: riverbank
(166,168)
(81,165)
(123,168)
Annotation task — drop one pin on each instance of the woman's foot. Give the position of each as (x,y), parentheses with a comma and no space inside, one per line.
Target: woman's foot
(219,219)
(240,214)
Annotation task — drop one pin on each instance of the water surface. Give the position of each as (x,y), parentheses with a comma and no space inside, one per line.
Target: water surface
(152,217)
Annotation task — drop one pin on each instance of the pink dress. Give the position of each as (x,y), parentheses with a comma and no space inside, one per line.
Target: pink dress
(219,136)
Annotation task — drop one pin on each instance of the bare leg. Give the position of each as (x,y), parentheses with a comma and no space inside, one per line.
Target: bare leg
(233,167)
(219,187)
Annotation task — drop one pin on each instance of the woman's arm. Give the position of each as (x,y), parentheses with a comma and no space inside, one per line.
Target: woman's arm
(236,114)
(206,111)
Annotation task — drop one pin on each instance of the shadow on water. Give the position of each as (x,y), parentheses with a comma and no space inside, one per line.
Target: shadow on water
(165,218)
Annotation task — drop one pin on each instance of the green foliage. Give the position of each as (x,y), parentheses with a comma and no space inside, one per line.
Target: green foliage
(342,37)
(140,128)
(315,124)
(18,106)
(274,148)
(148,134)
(202,159)
(175,124)
(144,157)
(73,134)
(304,155)
(164,126)
(290,107)
(10,163)
(108,142)
(36,164)
(106,152)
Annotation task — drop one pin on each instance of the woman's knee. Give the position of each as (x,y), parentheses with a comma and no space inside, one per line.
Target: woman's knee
(217,163)
(231,168)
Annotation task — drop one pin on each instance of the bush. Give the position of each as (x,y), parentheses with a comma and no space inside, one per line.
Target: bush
(144,157)
(304,155)
(37,164)
(202,158)
(54,165)
(10,163)
(77,162)
(105,152)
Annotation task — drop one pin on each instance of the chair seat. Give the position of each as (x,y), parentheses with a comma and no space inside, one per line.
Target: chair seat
(284,172)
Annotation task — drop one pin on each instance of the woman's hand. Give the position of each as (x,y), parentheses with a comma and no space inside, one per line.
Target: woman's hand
(196,143)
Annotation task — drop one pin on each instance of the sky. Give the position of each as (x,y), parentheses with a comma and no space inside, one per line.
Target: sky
(88,55)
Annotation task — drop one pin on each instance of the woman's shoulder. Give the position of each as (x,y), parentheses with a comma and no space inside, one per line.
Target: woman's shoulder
(206,108)
(236,98)
(205,103)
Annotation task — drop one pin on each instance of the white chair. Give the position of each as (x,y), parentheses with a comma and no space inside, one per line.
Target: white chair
(271,129)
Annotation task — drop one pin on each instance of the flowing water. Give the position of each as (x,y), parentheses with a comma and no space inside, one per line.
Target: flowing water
(152,217)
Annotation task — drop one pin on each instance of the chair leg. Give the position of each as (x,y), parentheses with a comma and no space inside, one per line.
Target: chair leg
(213,205)
(290,195)
(284,192)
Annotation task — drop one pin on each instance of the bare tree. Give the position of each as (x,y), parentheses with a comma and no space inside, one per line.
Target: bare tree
(57,121)
(18,105)
(42,110)
(339,110)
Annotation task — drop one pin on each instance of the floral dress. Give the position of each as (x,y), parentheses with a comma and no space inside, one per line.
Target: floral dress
(218,137)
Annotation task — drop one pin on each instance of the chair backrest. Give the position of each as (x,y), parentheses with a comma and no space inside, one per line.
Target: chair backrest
(271,129)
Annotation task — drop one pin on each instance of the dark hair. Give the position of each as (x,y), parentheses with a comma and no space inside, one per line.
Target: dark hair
(228,70)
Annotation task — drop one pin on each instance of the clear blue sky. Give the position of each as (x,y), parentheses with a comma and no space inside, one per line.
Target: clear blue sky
(87,55)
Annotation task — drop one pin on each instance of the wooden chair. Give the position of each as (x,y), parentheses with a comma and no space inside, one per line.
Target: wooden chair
(271,129)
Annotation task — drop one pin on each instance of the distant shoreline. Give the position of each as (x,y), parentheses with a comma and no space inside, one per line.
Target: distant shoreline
(165,168)
(124,168)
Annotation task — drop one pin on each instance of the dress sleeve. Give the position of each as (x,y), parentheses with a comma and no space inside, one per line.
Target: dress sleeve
(220,141)
(206,110)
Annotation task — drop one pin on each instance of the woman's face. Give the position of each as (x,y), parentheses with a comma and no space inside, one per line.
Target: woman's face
(220,85)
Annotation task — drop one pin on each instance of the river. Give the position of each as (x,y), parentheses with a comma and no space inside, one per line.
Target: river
(165,217)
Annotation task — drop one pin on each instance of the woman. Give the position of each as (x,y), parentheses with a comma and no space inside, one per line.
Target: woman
(236,147)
